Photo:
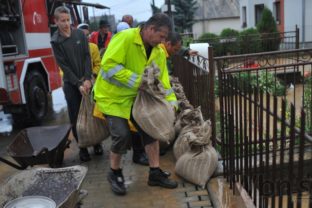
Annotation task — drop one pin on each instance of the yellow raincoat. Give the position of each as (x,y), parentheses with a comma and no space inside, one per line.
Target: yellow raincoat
(122,67)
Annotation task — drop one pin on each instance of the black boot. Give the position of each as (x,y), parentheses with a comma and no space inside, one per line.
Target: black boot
(84,155)
(140,158)
(139,155)
(98,149)
(117,182)
(158,177)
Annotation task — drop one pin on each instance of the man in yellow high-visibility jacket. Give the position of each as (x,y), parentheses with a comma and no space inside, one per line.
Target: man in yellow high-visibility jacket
(128,54)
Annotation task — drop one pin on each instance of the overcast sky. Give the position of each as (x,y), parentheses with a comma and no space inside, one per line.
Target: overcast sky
(139,9)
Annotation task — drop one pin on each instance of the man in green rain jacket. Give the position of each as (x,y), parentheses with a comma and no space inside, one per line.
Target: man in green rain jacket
(122,67)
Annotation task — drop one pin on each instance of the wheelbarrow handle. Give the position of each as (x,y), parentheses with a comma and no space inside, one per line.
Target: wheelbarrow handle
(13,164)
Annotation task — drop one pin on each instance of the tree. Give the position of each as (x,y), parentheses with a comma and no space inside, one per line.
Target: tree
(268,30)
(229,41)
(250,41)
(183,17)
(155,9)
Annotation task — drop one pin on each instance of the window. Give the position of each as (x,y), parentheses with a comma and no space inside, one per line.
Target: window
(244,16)
(258,12)
(277,12)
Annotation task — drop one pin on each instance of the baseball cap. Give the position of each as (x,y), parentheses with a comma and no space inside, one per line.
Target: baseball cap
(122,26)
(83,26)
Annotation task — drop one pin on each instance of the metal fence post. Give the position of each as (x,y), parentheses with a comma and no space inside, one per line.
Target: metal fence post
(212,94)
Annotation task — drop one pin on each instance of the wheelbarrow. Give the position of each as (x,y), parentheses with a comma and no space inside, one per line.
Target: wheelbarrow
(62,185)
(39,145)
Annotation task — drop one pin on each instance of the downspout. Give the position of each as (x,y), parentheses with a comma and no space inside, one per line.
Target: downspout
(303,23)
(204,19)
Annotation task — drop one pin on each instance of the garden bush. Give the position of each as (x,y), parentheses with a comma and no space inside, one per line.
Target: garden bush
(267,28)
(250,41)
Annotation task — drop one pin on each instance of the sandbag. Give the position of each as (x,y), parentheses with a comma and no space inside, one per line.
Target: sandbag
(177,87)
(181,145)
(197,166)
(151,111)
(91,130)
(196,134)
(191,117)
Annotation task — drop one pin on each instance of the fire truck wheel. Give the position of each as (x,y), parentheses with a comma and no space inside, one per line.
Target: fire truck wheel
(36,95)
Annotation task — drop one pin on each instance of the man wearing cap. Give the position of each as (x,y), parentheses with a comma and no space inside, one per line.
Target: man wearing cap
(126,22)
(101,37)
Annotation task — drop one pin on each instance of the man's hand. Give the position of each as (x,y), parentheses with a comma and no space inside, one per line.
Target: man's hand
(82,90)
(192,53)
(87,86)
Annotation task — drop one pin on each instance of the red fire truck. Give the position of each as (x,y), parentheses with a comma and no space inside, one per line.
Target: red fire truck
(28,71)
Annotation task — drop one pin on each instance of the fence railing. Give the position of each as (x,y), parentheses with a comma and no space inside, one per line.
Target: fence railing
(266,116)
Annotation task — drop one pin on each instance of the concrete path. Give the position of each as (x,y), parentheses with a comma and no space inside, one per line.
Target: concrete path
(139,193)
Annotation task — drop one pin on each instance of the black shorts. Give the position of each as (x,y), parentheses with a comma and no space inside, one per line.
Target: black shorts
(121,135)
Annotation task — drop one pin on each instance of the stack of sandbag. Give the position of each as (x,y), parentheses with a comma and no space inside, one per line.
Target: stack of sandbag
(196,157)
(192,116)
(188,124)
(152,112)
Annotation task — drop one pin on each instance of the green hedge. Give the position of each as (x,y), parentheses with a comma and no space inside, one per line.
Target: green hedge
(232,42)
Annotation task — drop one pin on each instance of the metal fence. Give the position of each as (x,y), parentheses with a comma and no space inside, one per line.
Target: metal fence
(197,78)
(266,116)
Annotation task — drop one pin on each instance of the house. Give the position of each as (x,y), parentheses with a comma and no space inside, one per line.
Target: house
(287,13)
(215,15)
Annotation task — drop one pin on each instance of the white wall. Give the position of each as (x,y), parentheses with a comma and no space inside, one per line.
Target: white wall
(308,21)
(250,9)
(293,10)
(215,26)
(293,14)
(293,17)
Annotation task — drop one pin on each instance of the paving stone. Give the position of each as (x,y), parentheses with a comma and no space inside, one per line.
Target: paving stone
(139,194)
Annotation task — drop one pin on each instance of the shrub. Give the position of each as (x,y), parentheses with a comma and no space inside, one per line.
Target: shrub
(308,103)
(268,30)
(229,41)
(265,81)
(250,41)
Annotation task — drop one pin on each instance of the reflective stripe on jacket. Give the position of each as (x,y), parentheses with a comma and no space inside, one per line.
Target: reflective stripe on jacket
(121,70)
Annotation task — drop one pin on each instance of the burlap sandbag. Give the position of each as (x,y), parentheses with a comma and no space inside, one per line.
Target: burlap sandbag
(91,130)
(192,134)
(177,87)
(181,145)
(151,111)
(190,117)
(197,166)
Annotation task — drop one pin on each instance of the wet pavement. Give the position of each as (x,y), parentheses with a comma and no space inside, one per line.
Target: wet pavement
(139,193)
